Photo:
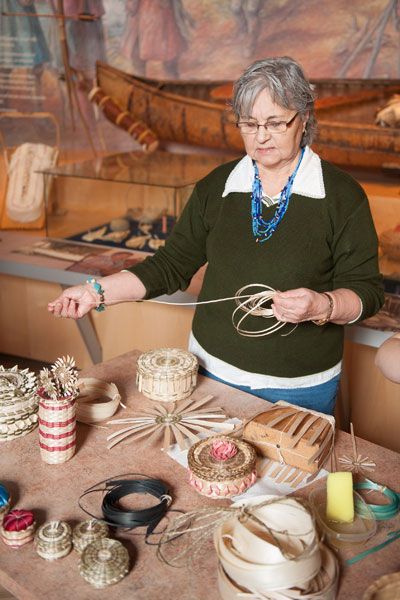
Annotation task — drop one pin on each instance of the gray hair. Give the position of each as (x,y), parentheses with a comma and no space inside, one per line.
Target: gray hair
(286,82)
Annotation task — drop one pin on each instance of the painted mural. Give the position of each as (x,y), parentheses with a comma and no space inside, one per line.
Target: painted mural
(177,39)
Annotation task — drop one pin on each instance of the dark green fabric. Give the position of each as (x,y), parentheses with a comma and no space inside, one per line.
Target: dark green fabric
(321,244)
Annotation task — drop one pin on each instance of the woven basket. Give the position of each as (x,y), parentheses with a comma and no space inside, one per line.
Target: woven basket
(87,532)
(166,374)
(53,540)
(20,534)
(57,426)
(221,478)
(104,562)
(18,403)
(386,587)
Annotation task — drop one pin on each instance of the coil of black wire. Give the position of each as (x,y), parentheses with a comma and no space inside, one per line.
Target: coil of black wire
(117,487)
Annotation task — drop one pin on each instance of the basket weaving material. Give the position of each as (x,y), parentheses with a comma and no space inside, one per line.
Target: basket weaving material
(322,587)
(221,478)
(97,400)
(166,374)
(104,562)
(17,528)
(386,587)
(88,531)
(18,403)
(57,429)
(53,540)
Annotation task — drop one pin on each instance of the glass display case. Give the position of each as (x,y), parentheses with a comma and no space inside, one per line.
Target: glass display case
(129,200)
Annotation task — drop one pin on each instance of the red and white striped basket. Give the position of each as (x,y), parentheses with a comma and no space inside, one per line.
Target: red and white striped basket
(57,428)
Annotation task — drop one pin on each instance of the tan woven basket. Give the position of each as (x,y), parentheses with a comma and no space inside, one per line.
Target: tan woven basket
(53,540)
(88,531)
(16,539)
(221,479)
(166,374)
(18,403)
(57,426)
(386,587)
(104,562)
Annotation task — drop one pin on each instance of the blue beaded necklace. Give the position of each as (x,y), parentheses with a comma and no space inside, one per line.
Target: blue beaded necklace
(264,229)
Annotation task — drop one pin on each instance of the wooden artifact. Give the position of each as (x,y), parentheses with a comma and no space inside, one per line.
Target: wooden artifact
(190,113)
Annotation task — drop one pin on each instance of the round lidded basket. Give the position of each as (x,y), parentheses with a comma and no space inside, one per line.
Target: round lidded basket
(221,467)
(166,374)
(18,403)
(53,540)
(17,528)
(88,531)
(57,428)
(104,562)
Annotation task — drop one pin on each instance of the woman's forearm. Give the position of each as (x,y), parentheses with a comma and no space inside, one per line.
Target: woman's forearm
(346,306)
(122,287)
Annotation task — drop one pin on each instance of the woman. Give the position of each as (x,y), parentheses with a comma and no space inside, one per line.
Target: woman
(387,358)
(281,217)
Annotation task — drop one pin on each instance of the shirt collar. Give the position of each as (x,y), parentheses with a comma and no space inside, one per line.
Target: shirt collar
(308,181)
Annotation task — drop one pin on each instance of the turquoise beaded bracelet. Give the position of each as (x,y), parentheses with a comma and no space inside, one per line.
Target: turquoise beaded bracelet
(102,305)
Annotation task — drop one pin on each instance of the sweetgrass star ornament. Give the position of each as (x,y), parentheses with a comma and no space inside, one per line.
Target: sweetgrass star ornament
(172,421)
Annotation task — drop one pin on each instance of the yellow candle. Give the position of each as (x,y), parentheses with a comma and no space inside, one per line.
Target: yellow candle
(339,495)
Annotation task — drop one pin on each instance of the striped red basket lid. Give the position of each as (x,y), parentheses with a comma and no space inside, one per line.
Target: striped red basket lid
(18,520)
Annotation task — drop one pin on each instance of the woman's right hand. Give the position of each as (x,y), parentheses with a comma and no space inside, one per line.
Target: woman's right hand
(74,302)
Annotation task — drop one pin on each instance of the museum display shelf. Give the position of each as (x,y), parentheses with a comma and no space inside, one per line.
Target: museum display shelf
(87,200)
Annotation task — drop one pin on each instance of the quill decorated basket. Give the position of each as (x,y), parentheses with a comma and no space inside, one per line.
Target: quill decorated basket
(221,467)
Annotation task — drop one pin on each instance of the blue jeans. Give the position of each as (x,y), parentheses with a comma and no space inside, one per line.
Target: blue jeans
(320,397)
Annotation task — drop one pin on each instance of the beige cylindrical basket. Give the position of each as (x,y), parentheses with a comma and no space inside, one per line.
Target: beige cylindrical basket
(57,427)
(87,532)
(53,540)
(104,562)
(166,374)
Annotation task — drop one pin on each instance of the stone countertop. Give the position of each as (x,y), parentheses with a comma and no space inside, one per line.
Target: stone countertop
(53,491)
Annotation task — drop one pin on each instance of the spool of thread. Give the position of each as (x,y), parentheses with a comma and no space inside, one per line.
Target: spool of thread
(53,540)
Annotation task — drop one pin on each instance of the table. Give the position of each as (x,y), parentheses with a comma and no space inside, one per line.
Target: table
(52,492)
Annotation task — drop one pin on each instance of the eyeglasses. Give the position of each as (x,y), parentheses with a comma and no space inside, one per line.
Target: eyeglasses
(249,127)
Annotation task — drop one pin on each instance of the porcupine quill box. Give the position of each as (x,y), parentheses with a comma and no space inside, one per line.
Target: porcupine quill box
(293,436)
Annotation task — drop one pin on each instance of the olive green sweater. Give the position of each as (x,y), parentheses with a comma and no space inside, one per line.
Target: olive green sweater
(321,244)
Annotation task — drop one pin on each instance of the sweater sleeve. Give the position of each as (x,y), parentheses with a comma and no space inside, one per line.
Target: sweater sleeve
(172,267)
(355,250)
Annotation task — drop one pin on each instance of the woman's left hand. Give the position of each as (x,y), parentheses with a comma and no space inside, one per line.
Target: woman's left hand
(301,304)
